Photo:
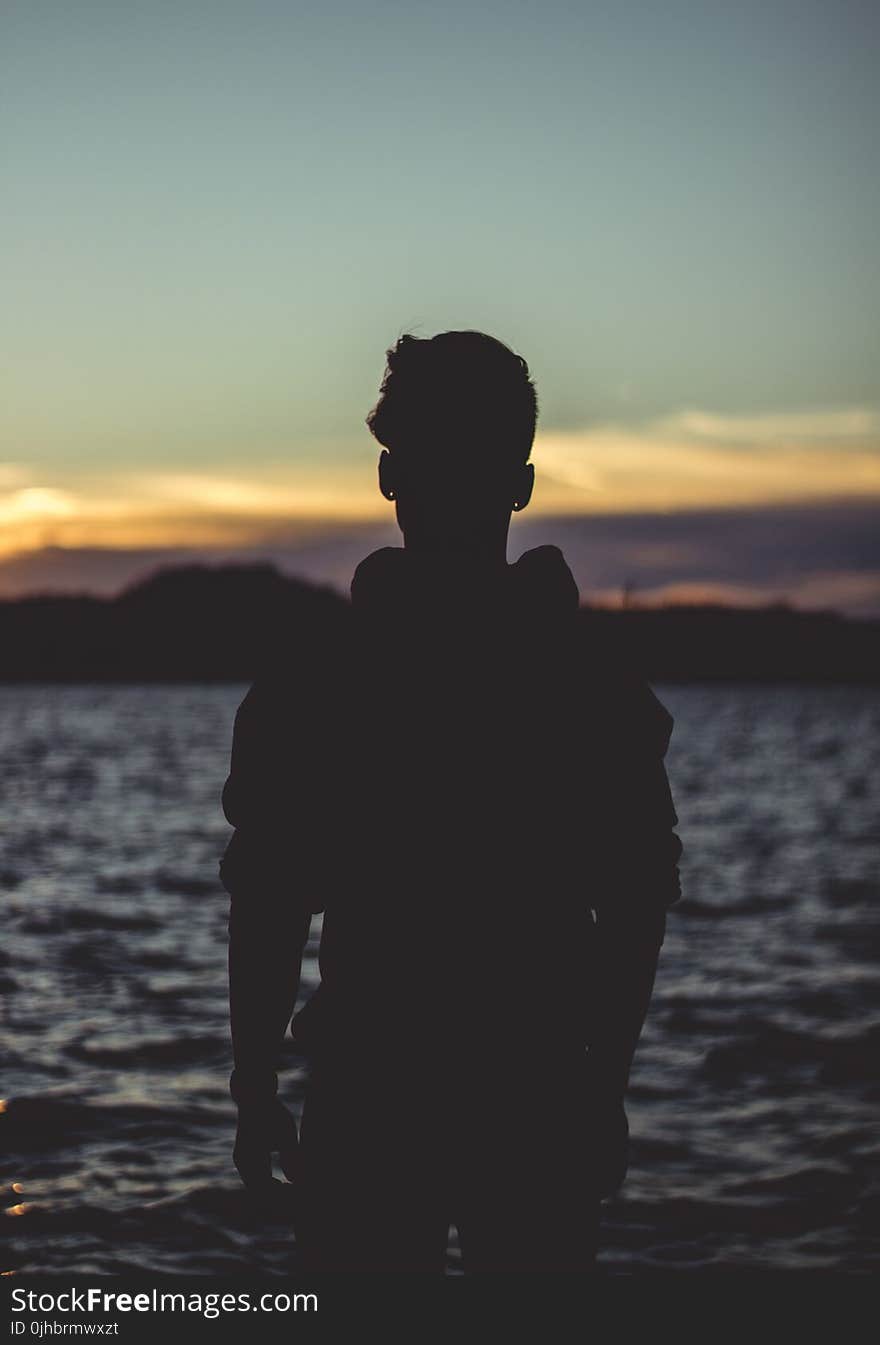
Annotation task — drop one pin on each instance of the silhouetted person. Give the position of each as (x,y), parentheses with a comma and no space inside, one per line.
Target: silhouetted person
(476,800)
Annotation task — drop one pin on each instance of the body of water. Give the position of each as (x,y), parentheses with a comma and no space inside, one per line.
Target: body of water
(754,1094)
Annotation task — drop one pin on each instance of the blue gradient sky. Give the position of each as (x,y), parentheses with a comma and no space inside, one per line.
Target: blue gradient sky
(216,216)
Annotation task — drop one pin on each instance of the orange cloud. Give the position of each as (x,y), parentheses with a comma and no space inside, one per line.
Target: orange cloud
(700,461)
(841,590)
(689,461)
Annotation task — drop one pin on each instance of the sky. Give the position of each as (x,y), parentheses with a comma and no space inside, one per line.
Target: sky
(217,216)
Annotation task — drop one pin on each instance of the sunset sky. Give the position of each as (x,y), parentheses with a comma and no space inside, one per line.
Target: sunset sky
(217,216)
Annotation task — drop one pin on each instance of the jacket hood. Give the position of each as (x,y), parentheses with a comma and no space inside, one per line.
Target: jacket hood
(393,577)
(537,596)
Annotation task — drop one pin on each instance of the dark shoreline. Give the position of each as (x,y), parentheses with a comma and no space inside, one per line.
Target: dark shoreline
(201,624)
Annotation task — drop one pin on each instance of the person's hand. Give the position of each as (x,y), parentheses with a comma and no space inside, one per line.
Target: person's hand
(265,1128)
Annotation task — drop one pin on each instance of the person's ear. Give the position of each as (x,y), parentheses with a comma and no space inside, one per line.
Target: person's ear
(387,483)
(525,483)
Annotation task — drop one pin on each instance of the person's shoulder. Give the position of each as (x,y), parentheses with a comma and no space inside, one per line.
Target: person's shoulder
(544,582)
(388,564)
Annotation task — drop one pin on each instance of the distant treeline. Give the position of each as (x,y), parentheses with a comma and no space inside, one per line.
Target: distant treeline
(218,624)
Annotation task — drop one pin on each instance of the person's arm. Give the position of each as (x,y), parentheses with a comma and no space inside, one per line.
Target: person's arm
(639,882)
(268,929)
(266,941)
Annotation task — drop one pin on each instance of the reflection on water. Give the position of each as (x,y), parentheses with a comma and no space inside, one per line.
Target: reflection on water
(754,1092)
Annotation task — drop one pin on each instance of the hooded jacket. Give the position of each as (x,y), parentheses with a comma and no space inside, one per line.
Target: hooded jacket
(458,781)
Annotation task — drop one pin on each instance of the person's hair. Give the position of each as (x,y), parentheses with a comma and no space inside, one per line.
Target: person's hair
(458,389)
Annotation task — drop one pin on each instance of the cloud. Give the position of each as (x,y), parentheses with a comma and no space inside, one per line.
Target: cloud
(812,555)
(828,427)
(697,459)
(854,594)
(819,555)
(693,460)
(35,503)
(135,509)
(774,505)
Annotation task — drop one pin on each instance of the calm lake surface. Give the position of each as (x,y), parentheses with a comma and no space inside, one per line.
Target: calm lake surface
(754,1096)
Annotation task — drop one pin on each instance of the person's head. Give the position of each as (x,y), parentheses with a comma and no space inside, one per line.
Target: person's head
(456,417)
